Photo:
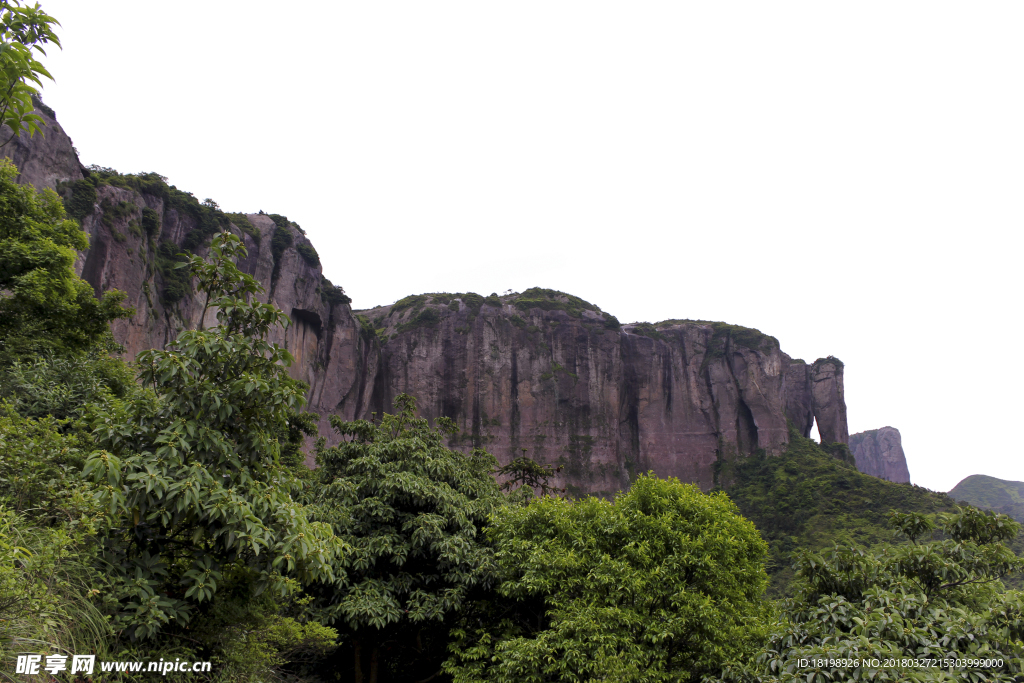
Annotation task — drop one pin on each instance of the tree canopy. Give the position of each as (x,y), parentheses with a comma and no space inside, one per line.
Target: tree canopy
(413,513)
(929,610)
(192,479)
(44,305)
(663,584)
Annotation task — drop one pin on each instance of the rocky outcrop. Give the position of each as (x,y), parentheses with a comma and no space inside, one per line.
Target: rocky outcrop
(879,452)
(828,401)
(532,374)
(540,373)
(46,158)
(799,399)
(323,336)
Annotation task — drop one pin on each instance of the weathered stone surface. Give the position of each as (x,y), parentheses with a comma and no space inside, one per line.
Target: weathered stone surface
(47,157)
(324,339)
(606,404)
(546,374)
(799,401)
(879,452)
(828,400)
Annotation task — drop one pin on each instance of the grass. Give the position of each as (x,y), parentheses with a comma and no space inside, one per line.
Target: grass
(45,591)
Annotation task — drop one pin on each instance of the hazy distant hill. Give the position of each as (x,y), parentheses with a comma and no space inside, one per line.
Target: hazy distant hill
(990,493)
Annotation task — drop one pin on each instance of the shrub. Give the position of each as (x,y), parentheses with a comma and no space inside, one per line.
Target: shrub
(279,243)
(331,294)
(245,225)
(82,201)
(176,282)
(308,253)
(116,212)
(553,300)
(150,222)
(426,317)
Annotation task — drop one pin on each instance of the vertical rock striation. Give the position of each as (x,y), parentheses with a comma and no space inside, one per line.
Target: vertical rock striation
(540,373)
(545,375)
(879,452)
(828,400)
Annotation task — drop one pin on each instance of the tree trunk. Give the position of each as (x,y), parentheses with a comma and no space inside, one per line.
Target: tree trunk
(373,664)
(357,652)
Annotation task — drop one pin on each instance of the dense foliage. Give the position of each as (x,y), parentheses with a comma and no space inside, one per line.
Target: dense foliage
(24,31)
(191,478)
(162,509)
(44,306)
(807,499)
(928,610)
(174,518)
(663,584)
(990,493)
(412,512)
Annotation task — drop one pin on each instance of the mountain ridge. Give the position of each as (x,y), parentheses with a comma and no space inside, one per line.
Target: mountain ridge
(542,372)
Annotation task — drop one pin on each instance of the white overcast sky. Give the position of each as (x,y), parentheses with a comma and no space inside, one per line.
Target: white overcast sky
(844,176)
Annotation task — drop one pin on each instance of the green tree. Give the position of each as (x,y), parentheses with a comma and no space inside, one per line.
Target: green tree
(931,601)
(44,305)
(23,31)
(192,479)
(412,511)
(663,584)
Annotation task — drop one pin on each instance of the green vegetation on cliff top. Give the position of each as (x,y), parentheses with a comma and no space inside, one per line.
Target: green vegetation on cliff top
(989,493)
(746,337)
(553,300)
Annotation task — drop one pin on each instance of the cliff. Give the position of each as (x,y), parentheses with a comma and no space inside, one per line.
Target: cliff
(46,158)
(539,373)
(879,452)
(545,374)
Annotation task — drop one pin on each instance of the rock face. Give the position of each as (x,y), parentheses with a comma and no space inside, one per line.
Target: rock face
(530,374)
(828,400)
(879,452)
(46,158)
(540,373)
(323,336)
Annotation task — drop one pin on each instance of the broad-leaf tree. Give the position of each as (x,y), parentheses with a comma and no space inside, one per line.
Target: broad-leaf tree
(930,610)
(663,584)
(44,306)
(412,511)
(24,30)
(192,480)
